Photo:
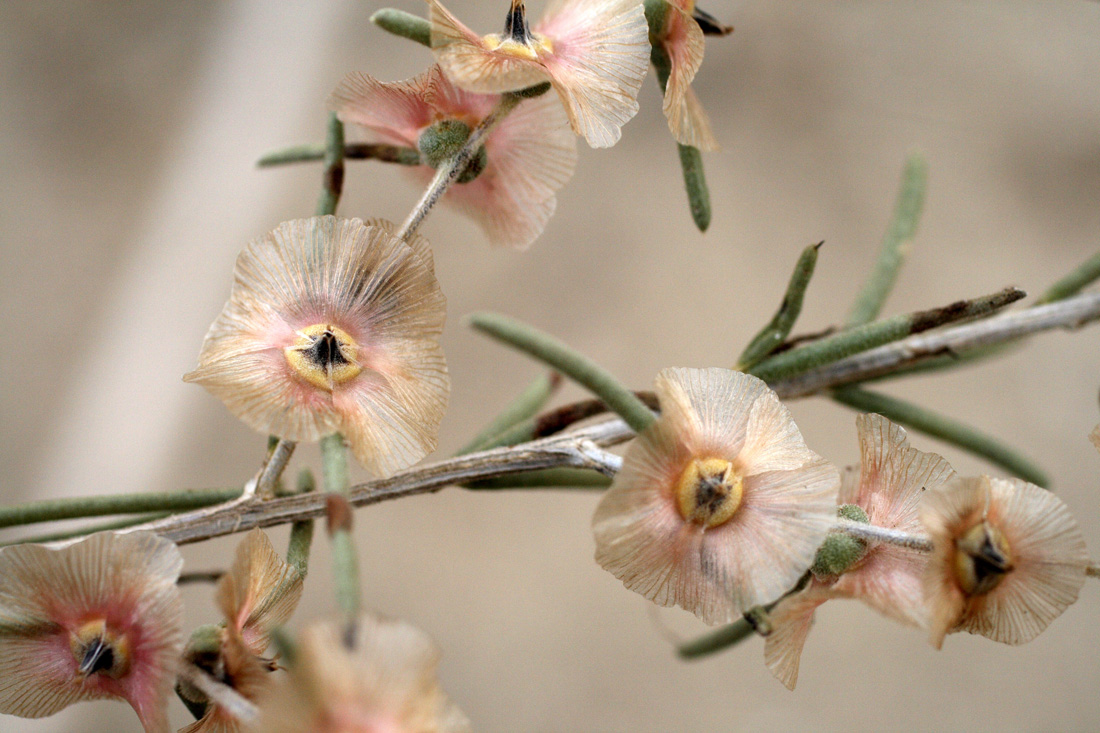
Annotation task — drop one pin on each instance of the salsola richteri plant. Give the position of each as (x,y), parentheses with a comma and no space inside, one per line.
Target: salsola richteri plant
(716,501)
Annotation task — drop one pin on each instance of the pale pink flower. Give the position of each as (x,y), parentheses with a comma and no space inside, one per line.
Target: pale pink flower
(888,487)
(594,52)
(719,506)
(385,681)
(681,38)
(529,155)
(97,619)
(333,325)
(1008,559)
(256,595)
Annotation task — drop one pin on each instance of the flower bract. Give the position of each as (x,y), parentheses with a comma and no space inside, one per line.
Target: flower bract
(97,619)
(681,39)
(333,325)
(1009,558)
(256,595)
(719,506)
(887,489)
(594,52)
(527,157)
(379,675)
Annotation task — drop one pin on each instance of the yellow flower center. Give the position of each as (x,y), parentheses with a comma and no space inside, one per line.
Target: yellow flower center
(324,355)
(709,491)
(99,650)
(982,559)
(511,47)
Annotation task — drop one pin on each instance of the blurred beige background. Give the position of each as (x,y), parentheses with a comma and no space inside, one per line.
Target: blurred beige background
(128,134)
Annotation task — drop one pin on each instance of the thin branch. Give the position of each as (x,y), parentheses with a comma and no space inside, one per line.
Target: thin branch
(273,469)
(871,335)
(48,510)
(1065,314)
(864,531)
(563,450)
(570,450)
(312,152)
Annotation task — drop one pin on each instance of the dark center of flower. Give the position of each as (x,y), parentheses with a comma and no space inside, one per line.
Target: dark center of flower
(515,25)
(98,650)
(982,559)
(325,351)
(324,355)
(709,491)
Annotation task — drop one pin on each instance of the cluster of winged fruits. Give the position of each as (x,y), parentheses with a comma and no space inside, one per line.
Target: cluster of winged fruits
(333,326)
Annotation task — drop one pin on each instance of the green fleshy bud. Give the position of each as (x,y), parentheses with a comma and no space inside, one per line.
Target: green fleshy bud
(203,650)
(837,554)
(441,141)
(852,512)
